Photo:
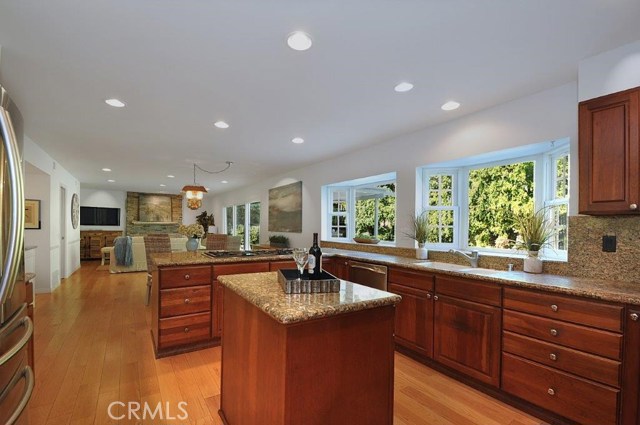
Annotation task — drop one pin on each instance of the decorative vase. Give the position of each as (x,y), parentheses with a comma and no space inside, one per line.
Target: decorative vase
(192,244)
(532,264)
(421,252)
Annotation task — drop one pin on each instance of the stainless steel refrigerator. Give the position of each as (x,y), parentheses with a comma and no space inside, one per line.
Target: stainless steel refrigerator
(16,376)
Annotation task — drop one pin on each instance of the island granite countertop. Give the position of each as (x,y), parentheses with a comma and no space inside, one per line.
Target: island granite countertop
(606,290)
(264,291)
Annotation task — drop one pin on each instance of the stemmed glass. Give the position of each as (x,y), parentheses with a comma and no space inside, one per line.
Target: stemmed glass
(301,257)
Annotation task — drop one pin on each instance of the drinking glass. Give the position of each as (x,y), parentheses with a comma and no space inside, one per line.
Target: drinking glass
(301,257)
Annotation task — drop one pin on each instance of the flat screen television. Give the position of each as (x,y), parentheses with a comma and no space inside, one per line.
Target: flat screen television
(99,216)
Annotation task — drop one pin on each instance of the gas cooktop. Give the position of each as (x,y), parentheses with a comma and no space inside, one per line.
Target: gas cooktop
(255,253)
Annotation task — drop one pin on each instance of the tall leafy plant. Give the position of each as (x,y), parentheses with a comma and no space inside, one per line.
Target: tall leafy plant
(420,228)
(534,230)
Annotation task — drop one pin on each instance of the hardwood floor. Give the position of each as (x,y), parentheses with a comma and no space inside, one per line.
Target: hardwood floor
(93,348)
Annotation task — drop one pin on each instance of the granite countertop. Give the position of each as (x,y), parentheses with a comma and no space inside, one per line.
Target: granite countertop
(264,291)
(607,290)
(184,258)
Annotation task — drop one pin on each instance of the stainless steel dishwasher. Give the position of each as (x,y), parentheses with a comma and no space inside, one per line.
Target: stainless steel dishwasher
(372,275)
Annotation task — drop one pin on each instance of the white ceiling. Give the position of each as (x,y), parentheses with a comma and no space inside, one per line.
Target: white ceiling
(181,65)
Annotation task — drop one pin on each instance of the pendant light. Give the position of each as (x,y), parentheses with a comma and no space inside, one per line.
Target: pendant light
(195,192)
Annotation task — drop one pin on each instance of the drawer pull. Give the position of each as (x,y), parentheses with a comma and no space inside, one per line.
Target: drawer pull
(187,300)
(634,317)
(551,391)
(554,307)
(435,297)
(187,277)
(633,206)
(554,332)
(186,330)
(428,296)
(553,357)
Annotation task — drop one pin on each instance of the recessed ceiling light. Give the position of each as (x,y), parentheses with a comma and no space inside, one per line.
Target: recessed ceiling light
(221,124)
(297,140)
(299,40)
(450,106)
(224,182)
(403,87)
(163,185)
(106,169)
(111,181)
(115,103)
(171,176)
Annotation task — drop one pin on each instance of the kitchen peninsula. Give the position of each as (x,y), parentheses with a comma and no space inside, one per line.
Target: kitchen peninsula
(306,358)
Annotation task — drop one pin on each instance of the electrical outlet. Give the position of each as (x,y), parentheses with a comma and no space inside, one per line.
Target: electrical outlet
(609,243)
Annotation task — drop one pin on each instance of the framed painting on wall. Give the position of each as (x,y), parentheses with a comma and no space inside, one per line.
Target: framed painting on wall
(285,208)
(31,214)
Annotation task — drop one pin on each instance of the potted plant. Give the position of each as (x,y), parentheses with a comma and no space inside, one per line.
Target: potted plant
(205,220)
(534,233)
(193,232)
(365,237)
(279,241)
(420,234)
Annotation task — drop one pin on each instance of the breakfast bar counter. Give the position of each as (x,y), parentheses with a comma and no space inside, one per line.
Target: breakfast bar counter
(305,358)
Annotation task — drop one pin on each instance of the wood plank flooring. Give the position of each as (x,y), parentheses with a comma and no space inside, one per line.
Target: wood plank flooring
(93,348)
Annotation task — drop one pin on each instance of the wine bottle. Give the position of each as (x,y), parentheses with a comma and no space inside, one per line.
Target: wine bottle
(315,259)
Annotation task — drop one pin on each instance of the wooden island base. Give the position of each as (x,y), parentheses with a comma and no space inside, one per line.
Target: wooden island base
(331,370)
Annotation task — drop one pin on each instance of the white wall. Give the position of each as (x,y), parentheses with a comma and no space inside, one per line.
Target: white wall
(545,116)
(37,185)
(106,199)
(59,177)
(609,72)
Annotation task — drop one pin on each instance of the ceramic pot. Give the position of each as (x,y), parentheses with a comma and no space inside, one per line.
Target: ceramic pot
(532,264)
(192,244)
(421,252)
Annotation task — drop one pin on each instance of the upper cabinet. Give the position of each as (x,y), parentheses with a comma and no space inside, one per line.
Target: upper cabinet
(609,140)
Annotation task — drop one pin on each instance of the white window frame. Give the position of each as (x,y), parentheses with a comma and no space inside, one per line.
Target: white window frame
(234,224)
(544,178)
(427,173)
(351,210)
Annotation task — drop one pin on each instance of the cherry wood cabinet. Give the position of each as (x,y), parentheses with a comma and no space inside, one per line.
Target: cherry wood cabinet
(339,267)
(631,368)
(609,145)
(564,354)
(414,315)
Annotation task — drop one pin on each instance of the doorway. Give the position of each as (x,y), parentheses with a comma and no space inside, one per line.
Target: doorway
(63,233)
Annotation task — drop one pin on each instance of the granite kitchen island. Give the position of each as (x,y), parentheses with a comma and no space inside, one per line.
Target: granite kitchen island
(306,358)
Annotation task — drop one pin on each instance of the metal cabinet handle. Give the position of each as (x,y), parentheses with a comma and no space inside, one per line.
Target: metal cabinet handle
(26,322)
(428,296)
(554,332)
(15,235)
(554,307)
(551,391)
(27,375)
(553,357)
(634,317)
(435,297)
(633,206)
(187,277)
(186,330)
(187,300)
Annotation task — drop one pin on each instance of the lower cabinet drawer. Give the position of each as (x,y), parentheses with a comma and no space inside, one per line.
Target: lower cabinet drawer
(594,341)
(579,363)
(195,299)
(183,330)
(580,400)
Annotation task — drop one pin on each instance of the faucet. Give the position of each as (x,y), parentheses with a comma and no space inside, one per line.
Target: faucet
(472,258)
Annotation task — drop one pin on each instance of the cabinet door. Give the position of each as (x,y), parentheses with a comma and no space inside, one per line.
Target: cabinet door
(609,140)
(414,319)
(631,369)
(467,337)
(336,266)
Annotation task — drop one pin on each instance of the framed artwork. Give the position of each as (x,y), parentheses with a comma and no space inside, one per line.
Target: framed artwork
(285,208)
(155,208)
(31,214)
(75,211)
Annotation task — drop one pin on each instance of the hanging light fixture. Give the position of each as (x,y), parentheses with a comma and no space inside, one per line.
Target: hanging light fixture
(195,192)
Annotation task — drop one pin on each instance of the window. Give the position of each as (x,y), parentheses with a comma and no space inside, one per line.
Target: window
(239,223)
(471,203)
(362,207)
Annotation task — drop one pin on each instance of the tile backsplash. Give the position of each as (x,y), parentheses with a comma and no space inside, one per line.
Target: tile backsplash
(586,257)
